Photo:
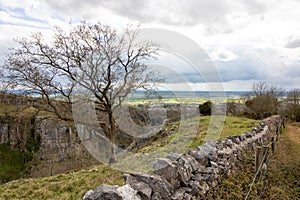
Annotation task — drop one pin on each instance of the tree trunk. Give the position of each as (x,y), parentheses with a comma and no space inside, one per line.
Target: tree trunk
(112,132)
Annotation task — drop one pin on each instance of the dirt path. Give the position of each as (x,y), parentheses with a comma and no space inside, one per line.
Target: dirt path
(294,133)
(283,178)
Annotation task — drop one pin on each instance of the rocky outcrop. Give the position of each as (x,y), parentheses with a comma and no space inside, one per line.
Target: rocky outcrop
(55,145)
(190,175)
(60,150)
(19,133)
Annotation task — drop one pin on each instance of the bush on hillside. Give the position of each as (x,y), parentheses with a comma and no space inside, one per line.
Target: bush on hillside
(205,108)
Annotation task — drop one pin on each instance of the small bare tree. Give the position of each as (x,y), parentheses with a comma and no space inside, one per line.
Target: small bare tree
(90,56)
(260,88)
(294,96)
(293,104)
(266,101)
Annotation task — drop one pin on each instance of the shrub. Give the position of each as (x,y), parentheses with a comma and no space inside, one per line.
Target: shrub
(205,108)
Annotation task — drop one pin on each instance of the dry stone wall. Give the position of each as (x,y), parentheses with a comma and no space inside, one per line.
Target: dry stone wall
(190,175)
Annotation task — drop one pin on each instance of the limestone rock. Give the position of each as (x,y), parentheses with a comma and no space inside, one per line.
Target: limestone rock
(155,182)
(88,193)
(181,193)
(112,192)
(200,157)
(184,170)
(143,189)
(208,151)
(128,193)
(173,156)
(168,169)
(156,196)
(193,162)
(105,192)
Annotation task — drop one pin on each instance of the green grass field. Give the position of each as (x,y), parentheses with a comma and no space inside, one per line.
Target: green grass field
(231,126)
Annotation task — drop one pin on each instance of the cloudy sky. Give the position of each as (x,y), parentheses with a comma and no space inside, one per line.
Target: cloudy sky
(247,40)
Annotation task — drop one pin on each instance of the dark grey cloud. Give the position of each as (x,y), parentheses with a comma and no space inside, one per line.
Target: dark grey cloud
(182,12)
(260,64)
(293,43)
(293,70)
(213,13)
(246,66)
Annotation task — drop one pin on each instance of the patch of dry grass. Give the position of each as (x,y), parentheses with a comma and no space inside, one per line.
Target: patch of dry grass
(282,179)
(16,111)
(71,185)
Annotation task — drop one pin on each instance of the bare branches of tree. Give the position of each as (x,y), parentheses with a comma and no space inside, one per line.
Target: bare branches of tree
(89,56)
(265,102)
(262,88)
(293,104)
(294,96)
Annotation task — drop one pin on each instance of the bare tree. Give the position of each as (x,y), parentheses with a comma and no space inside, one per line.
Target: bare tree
(293,104)
(263,106)
(260,88)
(90,56)
(266,100)
(294,96)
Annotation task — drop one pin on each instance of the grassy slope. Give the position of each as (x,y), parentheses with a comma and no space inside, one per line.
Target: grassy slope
(284,177)
(232,126)
(11,161)
(16,111)
(188,135)
(71,185)
(11,165)
(74,184)
(282,180)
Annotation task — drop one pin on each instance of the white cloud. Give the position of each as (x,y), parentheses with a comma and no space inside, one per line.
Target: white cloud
(9,32)
(222,55)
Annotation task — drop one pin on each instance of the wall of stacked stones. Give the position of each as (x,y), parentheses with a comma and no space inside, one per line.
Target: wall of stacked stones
(186,176)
